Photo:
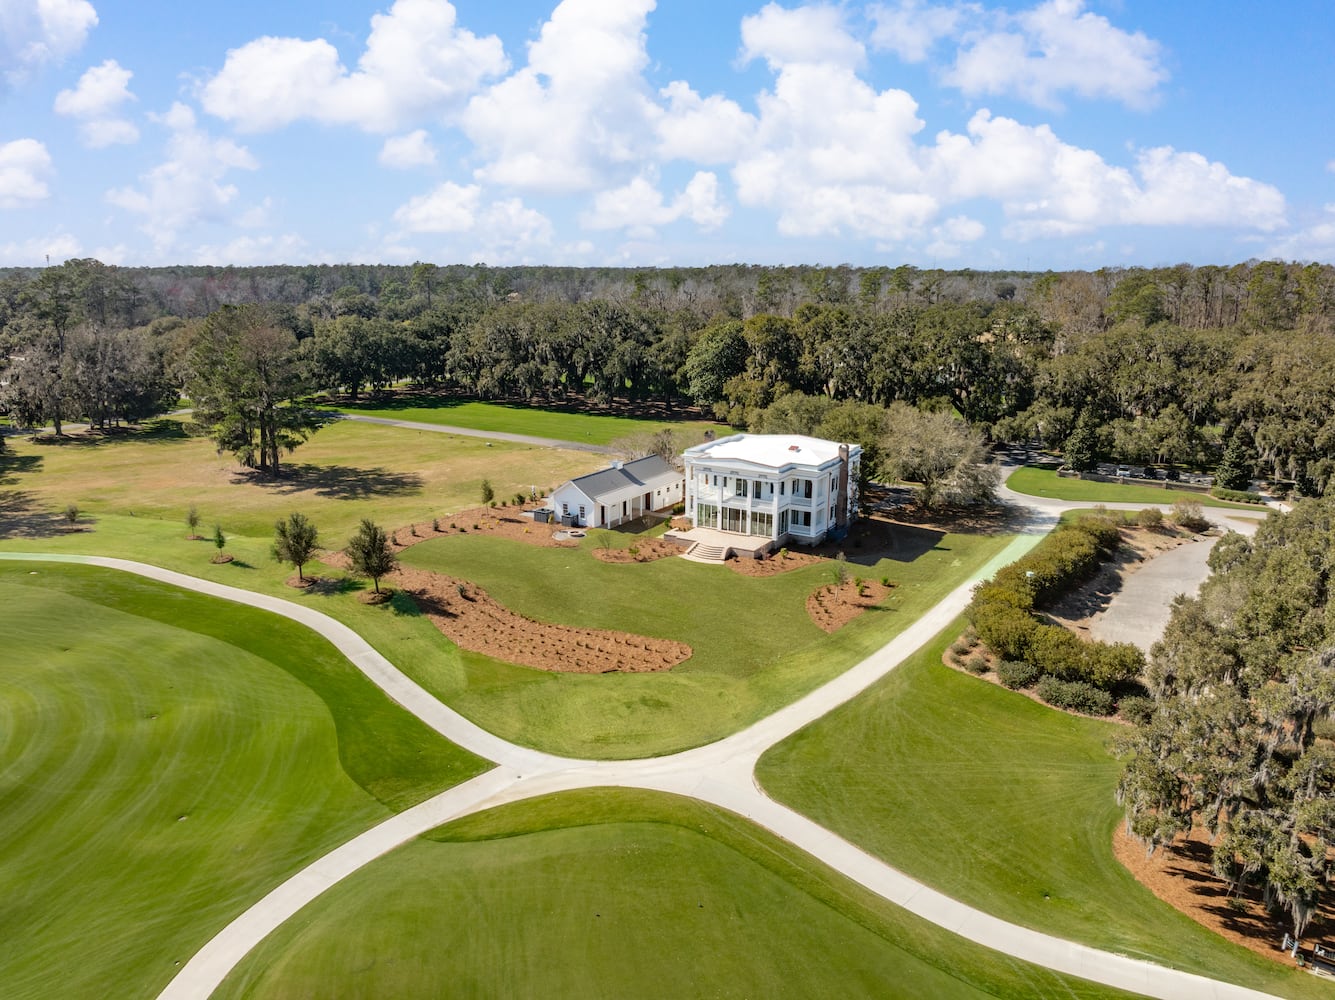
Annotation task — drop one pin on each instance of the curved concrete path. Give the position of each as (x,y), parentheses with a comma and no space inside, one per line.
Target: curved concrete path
(721,773)
(416,425)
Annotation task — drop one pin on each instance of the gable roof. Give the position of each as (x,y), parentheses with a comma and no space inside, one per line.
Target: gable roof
(640,476)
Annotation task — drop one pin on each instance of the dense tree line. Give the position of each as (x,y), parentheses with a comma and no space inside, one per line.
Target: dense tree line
(1244,687)
(1175,366)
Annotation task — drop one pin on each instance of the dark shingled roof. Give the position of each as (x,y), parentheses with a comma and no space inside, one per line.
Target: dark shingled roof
(643,472)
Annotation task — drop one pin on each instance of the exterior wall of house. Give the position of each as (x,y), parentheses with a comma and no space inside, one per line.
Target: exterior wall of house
(617,507)
(570,500)
(799,502)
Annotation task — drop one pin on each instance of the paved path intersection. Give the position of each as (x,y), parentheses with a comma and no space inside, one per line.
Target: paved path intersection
(721,773)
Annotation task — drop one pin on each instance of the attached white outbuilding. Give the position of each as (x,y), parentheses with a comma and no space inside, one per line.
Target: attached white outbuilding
(621,493)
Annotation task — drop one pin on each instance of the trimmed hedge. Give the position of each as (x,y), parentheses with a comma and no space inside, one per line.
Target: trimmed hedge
(1002,608)
(1236,496)
(1075,696)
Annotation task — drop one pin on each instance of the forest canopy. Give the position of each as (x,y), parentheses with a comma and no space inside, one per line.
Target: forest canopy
(1175,367)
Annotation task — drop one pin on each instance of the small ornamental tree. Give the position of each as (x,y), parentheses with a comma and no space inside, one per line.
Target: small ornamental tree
(219,540)
(192,521)
(487,493)
(72,514)
(370,554)
(295,541)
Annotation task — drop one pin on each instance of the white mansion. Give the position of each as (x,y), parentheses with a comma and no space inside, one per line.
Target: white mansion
(784,487)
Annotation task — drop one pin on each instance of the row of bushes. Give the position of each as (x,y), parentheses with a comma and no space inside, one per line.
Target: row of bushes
(1236,496)
(1002,608)
(1075,696)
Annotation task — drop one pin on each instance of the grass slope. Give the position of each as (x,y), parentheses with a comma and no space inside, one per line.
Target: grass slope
(755,648)
(1046,483)
(147,799)
(1000,802)
(617,894)
(513,418)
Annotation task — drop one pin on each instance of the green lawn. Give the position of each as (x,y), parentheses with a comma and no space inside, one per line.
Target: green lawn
(345,472)
(148,799)
(514,418)
(754,647)
(617,894)
(999,802)
(1046,483)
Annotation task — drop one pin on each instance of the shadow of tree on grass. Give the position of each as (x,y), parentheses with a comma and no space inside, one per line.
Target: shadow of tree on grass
(12,466)
(22,516)
(339,482)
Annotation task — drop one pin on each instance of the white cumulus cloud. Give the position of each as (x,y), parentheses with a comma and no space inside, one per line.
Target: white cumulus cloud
(639,207)
(1314,242)
(37,33)
(95,100)
(1055,48)
(418,64)
(450,208)
(577,110)
(403,152)
(910,28)
(189,187)
(24,167)
(53,248)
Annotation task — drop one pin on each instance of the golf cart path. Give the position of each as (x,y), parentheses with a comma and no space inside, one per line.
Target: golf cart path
(721,773)
(416,425)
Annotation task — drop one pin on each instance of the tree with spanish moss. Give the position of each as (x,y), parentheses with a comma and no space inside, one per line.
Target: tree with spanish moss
(1242,678)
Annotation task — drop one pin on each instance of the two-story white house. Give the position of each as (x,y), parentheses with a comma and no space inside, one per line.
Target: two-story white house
(784,487)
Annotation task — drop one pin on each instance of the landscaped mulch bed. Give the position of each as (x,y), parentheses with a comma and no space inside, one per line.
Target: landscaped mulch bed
(502,522)
(645,550)
(774,563)
(835,605)
(477,622)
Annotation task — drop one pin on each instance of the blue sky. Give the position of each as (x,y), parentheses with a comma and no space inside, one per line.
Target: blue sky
(1052,134)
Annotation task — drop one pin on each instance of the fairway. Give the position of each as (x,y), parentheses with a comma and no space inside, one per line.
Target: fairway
(343,473)
(755,649)
(611,893)
(514,418)
(145,801)
(1046,483)
(999,802)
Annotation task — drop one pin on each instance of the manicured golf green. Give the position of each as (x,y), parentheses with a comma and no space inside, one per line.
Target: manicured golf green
(1002,803)
(755,648)
(1046,483)
(513,418)
(166,759)
(617,894)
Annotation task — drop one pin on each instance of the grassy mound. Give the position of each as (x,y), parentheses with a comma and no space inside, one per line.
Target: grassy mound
(1001,803)
(617,894)
(147,798)
(755,648)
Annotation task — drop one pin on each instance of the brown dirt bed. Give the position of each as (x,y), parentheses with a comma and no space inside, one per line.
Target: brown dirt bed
(1181,876)
(477,622)
(835,605)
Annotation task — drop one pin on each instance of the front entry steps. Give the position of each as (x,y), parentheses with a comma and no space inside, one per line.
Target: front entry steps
(702,553)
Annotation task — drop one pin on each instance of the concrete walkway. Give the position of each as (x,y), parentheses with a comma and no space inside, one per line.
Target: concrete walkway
(721,773)
(541,442)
